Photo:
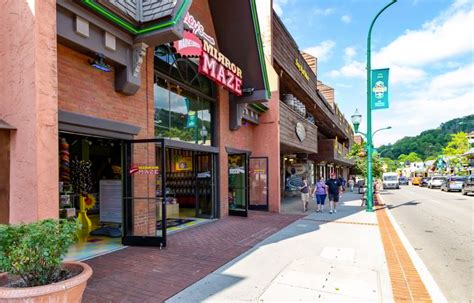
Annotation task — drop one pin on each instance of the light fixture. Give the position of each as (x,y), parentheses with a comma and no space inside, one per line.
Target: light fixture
(99,63)
(356,118)
(248,91)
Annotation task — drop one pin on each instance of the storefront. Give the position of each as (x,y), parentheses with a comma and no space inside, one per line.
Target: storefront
(307,120)
(162,119)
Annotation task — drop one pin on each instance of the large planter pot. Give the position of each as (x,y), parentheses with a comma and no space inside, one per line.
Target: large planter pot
(68,291)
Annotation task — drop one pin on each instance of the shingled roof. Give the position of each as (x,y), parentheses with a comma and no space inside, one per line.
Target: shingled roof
(145,10)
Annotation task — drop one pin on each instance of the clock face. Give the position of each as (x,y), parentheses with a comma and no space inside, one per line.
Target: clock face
(300,131)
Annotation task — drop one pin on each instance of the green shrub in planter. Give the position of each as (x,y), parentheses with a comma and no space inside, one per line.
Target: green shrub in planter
(33,253)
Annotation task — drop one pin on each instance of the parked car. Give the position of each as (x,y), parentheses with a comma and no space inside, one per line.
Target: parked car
(453,183)
(436,182)
(424,182)
(403,180)
(468,185)
(416,181)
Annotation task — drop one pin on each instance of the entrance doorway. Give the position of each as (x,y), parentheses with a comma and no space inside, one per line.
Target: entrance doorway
(90,188)
(169,186)
(238,185)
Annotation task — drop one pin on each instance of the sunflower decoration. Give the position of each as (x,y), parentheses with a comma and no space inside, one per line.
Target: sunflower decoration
(89,201)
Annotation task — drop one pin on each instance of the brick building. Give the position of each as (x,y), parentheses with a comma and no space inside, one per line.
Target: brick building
(109,107)
(141,117)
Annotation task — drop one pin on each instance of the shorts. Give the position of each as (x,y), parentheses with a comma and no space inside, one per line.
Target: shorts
(334,197)
(305,197)
(320,199)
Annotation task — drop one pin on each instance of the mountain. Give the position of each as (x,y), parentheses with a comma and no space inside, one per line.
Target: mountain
(430,142)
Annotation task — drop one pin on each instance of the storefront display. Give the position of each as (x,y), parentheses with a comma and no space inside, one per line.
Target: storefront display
(93,190)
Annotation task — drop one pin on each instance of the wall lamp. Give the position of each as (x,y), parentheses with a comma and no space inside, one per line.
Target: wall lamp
(99,63)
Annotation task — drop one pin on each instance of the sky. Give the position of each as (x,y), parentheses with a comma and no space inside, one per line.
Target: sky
(428,45)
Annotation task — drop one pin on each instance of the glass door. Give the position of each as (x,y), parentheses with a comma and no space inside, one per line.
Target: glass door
(238,185)
(205,185)
(144,196)
(258,183)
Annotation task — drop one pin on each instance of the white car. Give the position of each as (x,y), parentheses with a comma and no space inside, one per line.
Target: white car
(436,182)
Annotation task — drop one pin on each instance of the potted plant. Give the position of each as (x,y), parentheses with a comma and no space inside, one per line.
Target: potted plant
(31,263)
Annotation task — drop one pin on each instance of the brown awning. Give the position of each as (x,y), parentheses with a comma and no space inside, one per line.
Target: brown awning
(238,33)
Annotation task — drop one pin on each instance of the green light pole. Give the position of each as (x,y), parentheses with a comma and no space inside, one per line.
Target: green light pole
(370,196)
(356,118)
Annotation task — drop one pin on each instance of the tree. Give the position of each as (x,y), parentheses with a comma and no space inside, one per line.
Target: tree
(411,157)
(430,142)
(458,145)
(455,149)
(390,164)
(359,154)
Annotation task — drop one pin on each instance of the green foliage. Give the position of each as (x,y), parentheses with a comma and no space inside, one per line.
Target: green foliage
(458,145)
(182,134)
(358,153)
(430,158)
(430,142)
(455,149)
(411,157)
(34,252)
(392,165)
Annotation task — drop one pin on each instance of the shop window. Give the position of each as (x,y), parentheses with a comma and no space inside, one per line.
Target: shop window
(182,69)
(182,115)
(183,99)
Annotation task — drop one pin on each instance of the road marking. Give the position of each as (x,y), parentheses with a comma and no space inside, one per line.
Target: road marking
(430,284)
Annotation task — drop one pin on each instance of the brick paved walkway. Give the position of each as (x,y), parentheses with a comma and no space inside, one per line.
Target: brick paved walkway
(407,285)
(139,274)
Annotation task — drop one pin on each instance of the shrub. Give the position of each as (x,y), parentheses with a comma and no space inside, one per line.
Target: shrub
(33,253)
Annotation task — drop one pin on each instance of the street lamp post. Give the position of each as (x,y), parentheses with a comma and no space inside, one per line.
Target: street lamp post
(356,118)
(370,198)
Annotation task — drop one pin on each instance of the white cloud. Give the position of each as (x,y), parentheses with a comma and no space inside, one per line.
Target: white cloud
(278,6)
(349,53)
(453,83)
(353,69)
(323,11)
(444,37)
(445,97)
(346,19)
(404,74)
(321,51)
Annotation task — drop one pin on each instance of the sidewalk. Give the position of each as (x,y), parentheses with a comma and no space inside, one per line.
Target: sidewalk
(321,257)
(144,274)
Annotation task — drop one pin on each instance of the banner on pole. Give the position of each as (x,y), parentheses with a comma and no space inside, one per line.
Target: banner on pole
(379,84)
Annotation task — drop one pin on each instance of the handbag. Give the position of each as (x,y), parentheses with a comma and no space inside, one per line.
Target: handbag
(305,189)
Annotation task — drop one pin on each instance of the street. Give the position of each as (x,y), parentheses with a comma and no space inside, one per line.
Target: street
(439,226)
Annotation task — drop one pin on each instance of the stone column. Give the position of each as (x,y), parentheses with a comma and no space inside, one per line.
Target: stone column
(28,83)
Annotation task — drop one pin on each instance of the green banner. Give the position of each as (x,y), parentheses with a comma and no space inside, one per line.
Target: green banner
(379,84)
(191,121)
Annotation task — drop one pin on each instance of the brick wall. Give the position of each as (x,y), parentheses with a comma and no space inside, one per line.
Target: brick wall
(89,91)
(328,92)
(250,138)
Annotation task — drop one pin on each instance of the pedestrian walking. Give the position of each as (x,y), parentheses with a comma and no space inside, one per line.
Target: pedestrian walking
(305,194)
(351,184)
(334,188)
(320,194)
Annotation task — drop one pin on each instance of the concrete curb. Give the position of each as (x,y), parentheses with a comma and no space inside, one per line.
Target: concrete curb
(430,284)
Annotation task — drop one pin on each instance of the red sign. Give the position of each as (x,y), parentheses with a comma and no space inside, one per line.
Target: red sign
(144,170)
(217,67)
(190,45)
